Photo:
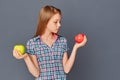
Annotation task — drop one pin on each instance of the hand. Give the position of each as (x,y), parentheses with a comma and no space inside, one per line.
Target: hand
(18,55)
(78,45)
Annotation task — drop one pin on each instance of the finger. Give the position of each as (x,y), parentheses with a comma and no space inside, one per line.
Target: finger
(85,39)
(14,53)
(20,55)
(17,54)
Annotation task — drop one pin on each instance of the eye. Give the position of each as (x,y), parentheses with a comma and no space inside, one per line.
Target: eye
(55,22)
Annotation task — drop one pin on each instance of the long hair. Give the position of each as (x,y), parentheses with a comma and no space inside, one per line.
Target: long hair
(44,16)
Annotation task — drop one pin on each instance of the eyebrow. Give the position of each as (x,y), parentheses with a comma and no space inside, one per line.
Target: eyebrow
(57,19)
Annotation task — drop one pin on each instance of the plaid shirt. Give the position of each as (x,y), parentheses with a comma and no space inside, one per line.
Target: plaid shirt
(49,58)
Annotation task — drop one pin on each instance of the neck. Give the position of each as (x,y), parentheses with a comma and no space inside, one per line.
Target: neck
(48,36)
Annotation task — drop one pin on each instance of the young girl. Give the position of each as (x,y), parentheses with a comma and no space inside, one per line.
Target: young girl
(46,57)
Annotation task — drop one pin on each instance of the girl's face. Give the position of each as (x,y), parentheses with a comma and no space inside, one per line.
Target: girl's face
(54,23)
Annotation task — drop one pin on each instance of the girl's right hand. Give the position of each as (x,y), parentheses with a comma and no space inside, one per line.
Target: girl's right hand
(18,55)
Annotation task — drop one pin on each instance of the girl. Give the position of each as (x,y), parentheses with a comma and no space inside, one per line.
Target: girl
(46,57)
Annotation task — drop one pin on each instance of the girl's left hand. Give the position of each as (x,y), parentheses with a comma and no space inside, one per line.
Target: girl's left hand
(78,45)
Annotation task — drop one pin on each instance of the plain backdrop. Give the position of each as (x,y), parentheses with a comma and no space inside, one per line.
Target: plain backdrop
(98,19)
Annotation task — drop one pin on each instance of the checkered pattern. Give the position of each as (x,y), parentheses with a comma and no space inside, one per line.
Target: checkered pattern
(49,58)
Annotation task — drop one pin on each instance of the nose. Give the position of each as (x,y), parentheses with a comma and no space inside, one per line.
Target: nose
(59,24)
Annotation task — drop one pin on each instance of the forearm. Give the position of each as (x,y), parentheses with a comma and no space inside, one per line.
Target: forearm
(70,61)
(34,70)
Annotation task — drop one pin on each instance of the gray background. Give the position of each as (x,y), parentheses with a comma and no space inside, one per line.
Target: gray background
(98,19)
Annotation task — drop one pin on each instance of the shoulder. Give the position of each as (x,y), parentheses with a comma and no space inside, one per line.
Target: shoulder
(33,40)
(62,39)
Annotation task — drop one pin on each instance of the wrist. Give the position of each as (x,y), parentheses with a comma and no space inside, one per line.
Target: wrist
(75,48)
(25,56)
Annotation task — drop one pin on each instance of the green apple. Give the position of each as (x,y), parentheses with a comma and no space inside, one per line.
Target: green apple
(20,48)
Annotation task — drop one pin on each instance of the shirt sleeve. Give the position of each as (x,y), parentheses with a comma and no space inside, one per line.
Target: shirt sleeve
(65,45)
(30,48)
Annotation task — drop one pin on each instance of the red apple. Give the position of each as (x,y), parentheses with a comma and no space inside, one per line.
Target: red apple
(79,38)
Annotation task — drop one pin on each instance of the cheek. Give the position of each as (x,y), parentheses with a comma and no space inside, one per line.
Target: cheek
(49,25)
(52,25)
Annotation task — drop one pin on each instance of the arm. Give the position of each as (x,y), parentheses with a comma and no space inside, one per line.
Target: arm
(31,62)
(68,63)
(32,65)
